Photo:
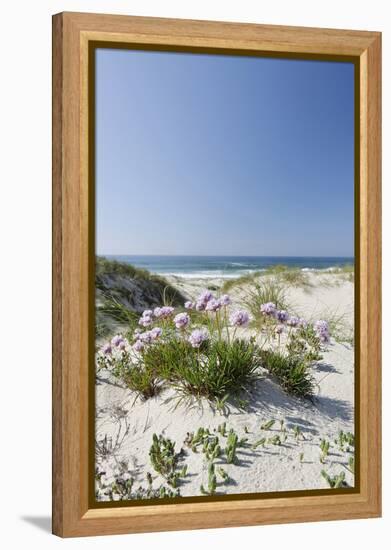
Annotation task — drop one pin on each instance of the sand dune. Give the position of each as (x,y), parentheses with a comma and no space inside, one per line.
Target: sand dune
(293,465)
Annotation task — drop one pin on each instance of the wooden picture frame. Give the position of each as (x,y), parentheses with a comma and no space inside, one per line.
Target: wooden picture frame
(73,165)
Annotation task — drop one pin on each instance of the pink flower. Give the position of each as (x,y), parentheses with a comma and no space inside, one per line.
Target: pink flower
(107,349)
(205,296)
(239,318)
(138,346)
(213,305)
(146,337)
(117,340)
(268,309)
(281,315)
(163,312)
(181,320)
(322,330)
(198,336)
(203,299)
(200,306)
(189,305)
(156,333)
(293,321)
(225,300)
(145,321)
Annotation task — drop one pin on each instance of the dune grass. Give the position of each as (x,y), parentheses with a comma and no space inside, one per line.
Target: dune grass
(291,371)
(115,299)
(104,266)
(276,269)
(168,293)
(296,278)
(217,369)
(112,307)
(339,275)
(280,273)
(345,268)
(262,292)
(348,272)
(239,281)
(292,276)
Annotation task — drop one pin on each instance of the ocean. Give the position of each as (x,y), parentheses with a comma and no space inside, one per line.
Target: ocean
(226,266)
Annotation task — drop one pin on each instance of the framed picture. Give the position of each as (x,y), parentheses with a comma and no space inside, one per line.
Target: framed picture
(216,268)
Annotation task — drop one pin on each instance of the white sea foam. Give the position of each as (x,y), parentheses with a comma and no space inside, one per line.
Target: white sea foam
(212,274)
(221,274)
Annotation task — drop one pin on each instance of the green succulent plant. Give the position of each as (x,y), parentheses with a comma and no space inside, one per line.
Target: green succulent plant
(335,482)
(165,460)
(324,447)
(231,447)
(267,425)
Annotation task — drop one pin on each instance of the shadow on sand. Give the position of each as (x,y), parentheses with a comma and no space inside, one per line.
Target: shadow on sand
(334,408)
(268,397)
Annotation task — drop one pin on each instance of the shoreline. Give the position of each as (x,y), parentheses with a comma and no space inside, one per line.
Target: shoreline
(238,274)
(230,267)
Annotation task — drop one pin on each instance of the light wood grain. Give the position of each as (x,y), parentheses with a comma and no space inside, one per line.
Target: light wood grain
(57,436)
(71,35)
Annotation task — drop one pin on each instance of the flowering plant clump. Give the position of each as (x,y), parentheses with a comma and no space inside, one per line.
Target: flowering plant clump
(278,322)
(113,352)
(196,350)
(193,350)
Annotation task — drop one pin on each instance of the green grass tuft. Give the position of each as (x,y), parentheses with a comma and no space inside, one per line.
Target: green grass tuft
(296,278)
(239,281)
(291,371)
(115,303)
(167,293)
(262,292)
(217,369)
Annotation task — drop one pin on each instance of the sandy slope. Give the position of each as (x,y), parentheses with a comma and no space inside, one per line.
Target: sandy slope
(272,468)
(325,294)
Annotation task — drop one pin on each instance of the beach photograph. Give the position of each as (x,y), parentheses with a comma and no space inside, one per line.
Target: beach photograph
(224,276)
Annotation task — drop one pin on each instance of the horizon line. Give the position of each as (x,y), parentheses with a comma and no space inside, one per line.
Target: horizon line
(229,255)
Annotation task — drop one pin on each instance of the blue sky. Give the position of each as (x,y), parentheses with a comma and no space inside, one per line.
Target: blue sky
(223,155)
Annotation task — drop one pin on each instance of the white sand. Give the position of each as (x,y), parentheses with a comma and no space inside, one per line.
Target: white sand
(269,468)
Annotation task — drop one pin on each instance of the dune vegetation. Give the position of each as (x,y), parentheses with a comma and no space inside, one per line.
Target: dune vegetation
(214,353)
